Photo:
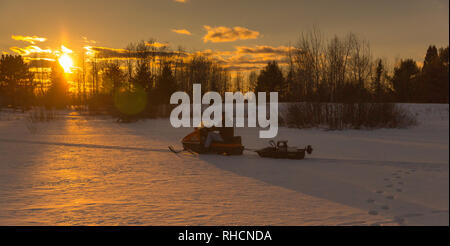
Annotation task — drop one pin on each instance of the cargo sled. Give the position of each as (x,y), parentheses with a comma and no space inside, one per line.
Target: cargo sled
(281,150)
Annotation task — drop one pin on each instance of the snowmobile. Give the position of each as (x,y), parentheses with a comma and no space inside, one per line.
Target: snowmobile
(281,150)
(195,142)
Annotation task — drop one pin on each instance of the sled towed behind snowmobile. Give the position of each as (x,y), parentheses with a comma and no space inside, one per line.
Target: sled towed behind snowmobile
(281,150)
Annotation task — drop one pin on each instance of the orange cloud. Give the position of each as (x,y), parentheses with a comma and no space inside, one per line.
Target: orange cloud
(157,44)
(264,49)
(181,31)
(30,50)
(226,34)
(245,58)
(87,41)
(29,39)
(180,1)
(114,53)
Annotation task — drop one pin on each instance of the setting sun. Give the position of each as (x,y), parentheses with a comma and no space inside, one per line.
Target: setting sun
(65,60)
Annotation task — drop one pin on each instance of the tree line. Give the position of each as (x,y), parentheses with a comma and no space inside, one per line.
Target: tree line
(341,69)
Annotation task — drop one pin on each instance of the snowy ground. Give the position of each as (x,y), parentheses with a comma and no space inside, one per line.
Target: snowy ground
(92,171)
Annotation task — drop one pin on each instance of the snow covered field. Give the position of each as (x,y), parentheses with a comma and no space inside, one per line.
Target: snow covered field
(81,170)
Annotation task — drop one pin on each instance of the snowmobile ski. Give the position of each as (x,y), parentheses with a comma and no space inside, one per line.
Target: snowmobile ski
(171,148)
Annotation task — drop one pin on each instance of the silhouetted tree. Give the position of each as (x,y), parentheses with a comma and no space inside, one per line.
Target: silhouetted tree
(309,63)
(113,78)
(270,78)
(405,80)
(444,74)
(252,81)
(143,77)
(165,84)
(434,77)
(378,86)
(58,94)
(289,94)
(238,82)
(16,81)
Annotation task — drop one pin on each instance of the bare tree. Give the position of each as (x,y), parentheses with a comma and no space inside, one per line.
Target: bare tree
(309,60)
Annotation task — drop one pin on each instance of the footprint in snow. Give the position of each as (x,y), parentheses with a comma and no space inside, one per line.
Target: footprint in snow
(370,200)
(399,190)
(385,207)
(379,191)
(390,197)
(389,185)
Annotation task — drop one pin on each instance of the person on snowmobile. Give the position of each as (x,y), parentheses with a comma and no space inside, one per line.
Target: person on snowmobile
(212,136)
(225,134)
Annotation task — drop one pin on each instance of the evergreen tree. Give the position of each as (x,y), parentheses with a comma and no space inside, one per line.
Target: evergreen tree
(444,75)
(16,81)
(58,93)
(434,76)
(165,85)
(405,80)
(288,94)
(270,78)
(429,81)
(113,78)
(377,84)
(143,77)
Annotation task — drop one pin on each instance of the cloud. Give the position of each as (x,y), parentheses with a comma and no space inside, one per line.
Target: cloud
(264,49)
(113,53)
(29,39)
(181,31)
(226,34)
(40,62)
(157,44)
(256,60)
(245,58)
(239,68)
(180,1)
(31,49)
(87,41)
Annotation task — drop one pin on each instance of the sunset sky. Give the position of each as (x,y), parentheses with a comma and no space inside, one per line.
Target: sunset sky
(395,29)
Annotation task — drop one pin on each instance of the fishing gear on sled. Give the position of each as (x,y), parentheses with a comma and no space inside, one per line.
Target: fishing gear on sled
(232,145)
